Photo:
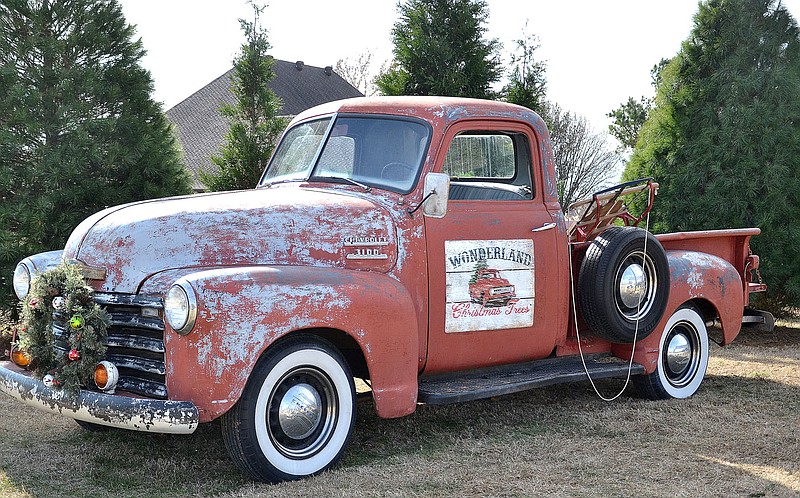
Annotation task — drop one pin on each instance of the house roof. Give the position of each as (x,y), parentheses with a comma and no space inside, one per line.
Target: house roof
(201,128)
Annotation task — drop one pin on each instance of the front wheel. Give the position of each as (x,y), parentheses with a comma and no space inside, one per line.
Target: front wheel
(682,358)
(296,413)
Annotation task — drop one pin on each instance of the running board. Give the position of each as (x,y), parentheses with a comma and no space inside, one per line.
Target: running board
(488,382)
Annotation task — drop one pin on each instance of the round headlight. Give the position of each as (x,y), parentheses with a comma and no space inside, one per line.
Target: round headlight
(180,308)
(22,280)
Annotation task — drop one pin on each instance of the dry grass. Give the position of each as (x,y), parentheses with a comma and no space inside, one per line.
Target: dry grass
(738,436)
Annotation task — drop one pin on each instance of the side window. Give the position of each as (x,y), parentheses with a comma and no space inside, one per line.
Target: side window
(489,166)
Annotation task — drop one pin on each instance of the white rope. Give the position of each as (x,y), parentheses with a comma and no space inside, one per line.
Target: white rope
(635,330)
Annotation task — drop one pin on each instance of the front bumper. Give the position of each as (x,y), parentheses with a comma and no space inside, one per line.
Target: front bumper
(138,414)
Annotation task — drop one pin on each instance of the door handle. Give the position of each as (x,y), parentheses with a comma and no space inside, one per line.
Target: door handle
(546,226)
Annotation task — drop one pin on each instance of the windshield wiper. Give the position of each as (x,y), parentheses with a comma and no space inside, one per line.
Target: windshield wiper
(289,180)
(366,188)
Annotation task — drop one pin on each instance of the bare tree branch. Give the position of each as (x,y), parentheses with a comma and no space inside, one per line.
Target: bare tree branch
(584,161)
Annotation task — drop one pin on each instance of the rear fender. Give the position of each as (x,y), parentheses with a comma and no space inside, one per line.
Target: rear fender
(242,311)
(698,277)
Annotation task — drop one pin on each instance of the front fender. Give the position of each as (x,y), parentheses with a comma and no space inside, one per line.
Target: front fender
(242,311)
(695,276)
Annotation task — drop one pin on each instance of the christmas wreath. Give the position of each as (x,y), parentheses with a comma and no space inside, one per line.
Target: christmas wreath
(60,296)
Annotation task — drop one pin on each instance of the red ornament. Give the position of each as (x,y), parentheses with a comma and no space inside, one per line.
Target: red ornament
(33,302)
(73,355)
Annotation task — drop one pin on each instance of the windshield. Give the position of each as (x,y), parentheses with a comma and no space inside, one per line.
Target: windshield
(375,151)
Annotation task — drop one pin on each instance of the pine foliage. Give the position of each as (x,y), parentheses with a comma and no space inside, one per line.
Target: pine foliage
(527,84)
(256,125)
(84,325)
(723,139)
(439,49)
(79,130)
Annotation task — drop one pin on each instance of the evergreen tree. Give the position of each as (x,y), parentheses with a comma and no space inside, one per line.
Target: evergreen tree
(628,120)
(439,49)
(255,124)
(79,130)
(583,162)
(630,116)
(723,139)
(527,84)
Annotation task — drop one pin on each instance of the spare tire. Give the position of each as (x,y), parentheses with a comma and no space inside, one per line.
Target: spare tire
(619,285)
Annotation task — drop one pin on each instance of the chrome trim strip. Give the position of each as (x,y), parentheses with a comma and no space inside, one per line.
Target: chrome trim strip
(367,256)
(87,271)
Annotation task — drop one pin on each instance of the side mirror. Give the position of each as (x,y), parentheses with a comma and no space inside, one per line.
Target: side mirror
(437,190)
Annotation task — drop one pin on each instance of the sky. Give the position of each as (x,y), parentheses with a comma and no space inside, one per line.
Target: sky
(598,52)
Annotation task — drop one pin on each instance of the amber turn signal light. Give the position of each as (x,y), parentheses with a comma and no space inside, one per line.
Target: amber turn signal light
(20,358)
(106,376)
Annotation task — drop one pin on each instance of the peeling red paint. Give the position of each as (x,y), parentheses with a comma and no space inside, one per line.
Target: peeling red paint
(244,310)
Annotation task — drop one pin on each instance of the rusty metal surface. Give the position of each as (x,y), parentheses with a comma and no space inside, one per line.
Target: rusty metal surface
(507,224)
(244,310)
(281,225)
(305,228)
(139,414)
(732,245)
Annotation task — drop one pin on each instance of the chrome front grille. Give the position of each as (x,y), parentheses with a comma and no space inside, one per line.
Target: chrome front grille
(135,342)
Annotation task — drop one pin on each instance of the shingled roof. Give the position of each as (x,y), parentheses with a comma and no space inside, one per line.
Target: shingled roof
(201,129)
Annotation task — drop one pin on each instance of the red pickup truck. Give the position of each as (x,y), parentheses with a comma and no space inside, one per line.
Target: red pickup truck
(353,257)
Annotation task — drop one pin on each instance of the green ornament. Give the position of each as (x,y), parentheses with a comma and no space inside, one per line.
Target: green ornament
(76,322)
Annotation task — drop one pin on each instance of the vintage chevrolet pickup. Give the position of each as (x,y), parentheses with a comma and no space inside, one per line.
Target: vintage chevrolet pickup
(353,258)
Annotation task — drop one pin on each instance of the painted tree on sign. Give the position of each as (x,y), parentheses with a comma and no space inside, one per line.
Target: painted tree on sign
(480,265)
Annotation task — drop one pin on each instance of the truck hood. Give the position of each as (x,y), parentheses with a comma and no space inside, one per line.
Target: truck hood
(288,225)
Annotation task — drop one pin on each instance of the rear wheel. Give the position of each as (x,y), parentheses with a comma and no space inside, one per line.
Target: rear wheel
(682,358)
(296,414)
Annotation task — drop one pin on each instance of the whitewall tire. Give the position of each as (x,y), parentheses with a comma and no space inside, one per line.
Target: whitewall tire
(682,358)
(296,414)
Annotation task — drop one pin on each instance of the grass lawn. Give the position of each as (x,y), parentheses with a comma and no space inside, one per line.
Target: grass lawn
(738,436)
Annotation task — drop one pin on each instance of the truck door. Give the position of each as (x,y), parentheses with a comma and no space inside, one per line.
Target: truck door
(493,258)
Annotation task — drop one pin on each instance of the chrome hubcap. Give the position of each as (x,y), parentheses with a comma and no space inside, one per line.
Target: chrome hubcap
(682,354)
(632,286)
(679,354)
(636,282)
(300,411)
